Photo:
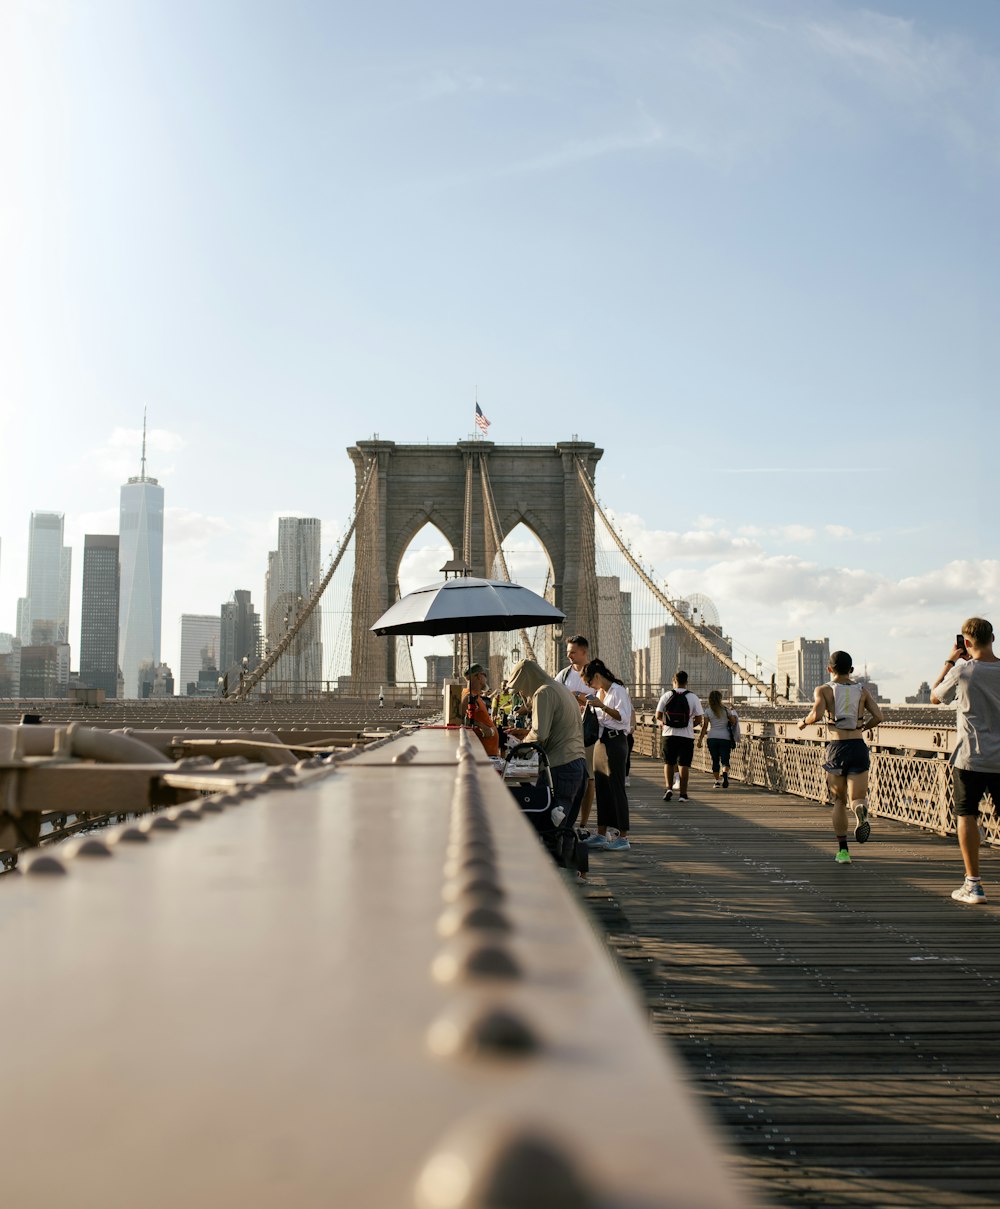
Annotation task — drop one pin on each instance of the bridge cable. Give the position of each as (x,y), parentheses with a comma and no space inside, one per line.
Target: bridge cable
(493,518)
(746,676)
(251,681)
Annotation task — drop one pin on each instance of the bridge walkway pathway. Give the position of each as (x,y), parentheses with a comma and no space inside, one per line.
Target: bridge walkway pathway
(842,1022)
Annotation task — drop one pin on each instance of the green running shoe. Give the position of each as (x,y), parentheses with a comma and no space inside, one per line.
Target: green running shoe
(843,857)
(863,829)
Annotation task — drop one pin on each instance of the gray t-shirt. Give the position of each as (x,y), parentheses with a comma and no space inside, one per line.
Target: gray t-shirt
(974,687)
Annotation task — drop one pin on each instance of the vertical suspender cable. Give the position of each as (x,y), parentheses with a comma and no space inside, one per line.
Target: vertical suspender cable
(491,514)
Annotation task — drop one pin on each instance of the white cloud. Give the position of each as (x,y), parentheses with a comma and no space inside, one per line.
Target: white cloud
(182,527)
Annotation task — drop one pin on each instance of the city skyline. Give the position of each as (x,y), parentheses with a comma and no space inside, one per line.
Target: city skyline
(748,247)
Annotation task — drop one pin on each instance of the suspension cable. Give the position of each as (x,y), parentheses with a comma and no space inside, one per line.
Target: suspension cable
(747,677)
(250,682)
(492,517)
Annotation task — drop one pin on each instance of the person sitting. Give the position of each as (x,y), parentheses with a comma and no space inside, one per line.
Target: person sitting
(475,709)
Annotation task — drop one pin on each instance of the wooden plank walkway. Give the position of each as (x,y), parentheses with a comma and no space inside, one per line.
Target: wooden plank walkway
(842,1022)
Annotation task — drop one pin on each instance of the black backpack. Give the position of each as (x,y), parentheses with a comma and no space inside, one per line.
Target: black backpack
(676,711)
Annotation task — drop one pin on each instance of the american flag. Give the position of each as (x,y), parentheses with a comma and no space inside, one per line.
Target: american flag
(481,421)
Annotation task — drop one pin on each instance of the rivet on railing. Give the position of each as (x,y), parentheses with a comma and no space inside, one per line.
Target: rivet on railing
(496,1165)
(90,845)
(404,757)
(163,823)
(43,862)
(473,1031)
(482,959)
(472,916)
(131,833)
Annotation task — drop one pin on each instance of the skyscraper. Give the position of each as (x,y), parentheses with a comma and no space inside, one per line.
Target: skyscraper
(240,635)
(141,553)
(293,572)
(199,646)
(804,661)
(671,648)
(99,613)
(614,626)
(46,603)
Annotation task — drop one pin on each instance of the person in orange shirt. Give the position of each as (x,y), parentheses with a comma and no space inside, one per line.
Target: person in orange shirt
(476,709)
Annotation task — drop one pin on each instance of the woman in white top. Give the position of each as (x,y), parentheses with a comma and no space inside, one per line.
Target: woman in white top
(610,698)
(720,739)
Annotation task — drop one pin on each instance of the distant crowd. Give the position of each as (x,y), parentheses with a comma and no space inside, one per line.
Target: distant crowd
(582,721)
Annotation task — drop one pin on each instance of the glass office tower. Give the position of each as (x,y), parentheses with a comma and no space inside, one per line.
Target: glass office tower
(141,555)
(99,613)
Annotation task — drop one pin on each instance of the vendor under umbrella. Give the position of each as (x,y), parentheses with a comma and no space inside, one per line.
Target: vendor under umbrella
(475,709)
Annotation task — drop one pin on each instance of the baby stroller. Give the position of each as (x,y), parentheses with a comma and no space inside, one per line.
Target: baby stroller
(539,807)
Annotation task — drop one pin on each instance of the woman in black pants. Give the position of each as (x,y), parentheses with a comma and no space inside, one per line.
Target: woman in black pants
(610,698)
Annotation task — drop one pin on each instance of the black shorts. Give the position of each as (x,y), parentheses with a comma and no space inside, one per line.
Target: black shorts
(676,749)
(847,757)
(970,786)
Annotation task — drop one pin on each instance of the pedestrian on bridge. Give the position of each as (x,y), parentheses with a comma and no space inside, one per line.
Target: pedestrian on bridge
(609,696)
(578,654)
(557,729)
(971,679)
(852,711)
(678,711)
(723,727)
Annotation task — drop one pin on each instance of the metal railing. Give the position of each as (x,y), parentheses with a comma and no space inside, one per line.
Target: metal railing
(366,987)
(910,778)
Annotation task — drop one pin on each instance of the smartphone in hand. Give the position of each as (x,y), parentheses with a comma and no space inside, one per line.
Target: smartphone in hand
(960,641)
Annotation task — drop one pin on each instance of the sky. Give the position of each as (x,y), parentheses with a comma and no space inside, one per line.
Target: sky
(748,247)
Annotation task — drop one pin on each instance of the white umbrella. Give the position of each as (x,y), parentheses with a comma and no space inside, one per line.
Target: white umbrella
(467,606)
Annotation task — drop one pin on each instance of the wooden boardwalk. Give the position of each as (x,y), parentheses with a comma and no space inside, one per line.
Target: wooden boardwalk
(842,1022)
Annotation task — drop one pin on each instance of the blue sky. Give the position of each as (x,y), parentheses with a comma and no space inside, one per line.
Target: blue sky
(747,245)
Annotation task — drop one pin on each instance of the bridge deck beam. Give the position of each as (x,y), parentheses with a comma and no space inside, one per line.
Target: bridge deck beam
(296,1001)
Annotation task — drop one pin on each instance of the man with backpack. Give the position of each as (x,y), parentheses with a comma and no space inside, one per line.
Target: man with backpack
(677,712)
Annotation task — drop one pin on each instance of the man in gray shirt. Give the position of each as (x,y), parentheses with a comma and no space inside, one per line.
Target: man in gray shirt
(971,679)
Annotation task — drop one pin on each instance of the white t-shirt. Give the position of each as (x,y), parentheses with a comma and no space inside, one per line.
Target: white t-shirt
(617,697)
(974,687)
(694,705)
(572,679)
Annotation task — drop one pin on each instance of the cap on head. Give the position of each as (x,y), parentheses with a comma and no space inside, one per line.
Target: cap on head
(475,669)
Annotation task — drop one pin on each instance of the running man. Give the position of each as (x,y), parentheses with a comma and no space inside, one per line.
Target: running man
(852,711)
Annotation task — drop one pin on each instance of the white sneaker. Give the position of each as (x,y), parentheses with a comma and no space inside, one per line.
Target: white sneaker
(628,782)
(969,892)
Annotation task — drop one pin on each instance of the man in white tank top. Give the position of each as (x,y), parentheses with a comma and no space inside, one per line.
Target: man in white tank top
(852,710)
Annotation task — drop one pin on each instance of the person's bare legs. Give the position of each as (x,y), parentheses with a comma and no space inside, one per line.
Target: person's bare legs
(968,841)
(857,783)
(838,792)
(685,770)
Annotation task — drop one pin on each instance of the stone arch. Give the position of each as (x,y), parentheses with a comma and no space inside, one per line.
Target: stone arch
(534,484)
